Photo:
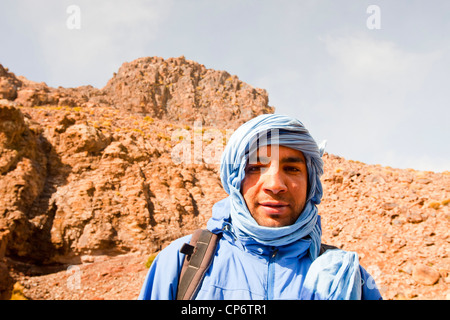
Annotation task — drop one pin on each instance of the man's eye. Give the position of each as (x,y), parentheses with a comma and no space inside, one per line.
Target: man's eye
(257,169)
(292,169)
(254,169)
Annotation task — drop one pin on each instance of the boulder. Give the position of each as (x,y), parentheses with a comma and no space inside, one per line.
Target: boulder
(425,275)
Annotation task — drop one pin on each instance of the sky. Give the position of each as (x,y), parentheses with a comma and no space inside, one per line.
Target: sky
(370,77)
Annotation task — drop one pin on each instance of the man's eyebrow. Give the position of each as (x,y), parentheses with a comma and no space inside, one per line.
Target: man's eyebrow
(264,159)
(292,159)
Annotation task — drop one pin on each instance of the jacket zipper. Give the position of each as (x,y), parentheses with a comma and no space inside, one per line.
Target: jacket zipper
(271,274)
(227,229)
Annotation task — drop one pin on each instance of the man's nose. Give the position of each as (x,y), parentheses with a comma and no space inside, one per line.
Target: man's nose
(274,182)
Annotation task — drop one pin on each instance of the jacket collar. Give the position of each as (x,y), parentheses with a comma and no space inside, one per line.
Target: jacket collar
(221,223)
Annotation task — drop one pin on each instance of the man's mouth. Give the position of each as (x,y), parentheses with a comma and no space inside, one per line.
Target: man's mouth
(274,207)
(274,203)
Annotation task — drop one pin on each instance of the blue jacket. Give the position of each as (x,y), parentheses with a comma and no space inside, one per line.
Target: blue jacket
(241,269)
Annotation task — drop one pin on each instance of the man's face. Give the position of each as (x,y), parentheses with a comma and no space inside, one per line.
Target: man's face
(275,186)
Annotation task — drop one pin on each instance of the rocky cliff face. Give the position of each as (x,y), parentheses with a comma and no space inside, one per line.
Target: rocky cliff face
(89,173)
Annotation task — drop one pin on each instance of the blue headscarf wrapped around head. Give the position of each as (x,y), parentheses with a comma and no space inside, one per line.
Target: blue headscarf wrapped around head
(285,131)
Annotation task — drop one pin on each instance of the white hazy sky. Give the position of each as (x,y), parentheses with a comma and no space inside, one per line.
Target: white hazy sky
(380,96)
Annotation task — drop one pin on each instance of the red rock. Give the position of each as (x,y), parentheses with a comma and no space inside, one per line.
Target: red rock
(425,275)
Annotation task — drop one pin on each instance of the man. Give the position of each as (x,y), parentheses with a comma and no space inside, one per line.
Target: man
(269,227)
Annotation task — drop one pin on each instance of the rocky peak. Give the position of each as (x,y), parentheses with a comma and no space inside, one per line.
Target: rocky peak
(177,89)
(9,84)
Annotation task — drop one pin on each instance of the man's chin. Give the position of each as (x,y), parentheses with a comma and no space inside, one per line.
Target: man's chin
(273,222)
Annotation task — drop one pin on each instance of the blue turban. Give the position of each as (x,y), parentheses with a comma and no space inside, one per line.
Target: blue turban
(266,130)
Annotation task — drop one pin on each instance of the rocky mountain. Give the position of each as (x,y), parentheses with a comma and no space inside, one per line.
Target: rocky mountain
(106,177)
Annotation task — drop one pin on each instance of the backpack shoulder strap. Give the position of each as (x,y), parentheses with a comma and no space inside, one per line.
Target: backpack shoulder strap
(324,247)
(199,255)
